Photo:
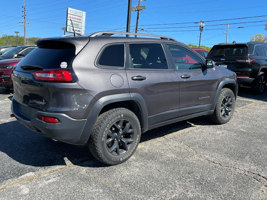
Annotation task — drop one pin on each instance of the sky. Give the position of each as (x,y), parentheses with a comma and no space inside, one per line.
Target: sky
(178,19)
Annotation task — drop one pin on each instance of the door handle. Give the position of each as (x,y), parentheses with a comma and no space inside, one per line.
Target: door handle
(138,78)
(185,76)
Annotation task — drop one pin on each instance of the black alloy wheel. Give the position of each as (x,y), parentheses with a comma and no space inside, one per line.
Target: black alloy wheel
(120,137)
(224,108)
(115,136)
(260,84)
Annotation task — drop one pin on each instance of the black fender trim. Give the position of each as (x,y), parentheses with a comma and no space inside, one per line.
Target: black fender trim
(221,85)
(116,98)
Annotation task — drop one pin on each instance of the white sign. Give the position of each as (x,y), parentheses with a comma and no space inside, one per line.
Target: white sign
(75,21)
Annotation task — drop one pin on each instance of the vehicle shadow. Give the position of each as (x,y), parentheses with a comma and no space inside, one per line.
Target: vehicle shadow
(248,93)
(4,91)
(30,148)
(33,149)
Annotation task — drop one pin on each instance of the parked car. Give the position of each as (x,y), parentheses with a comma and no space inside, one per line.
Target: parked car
(17,52)
(4,49)
(202,52)
(104,91)
(247,60)
(6,68)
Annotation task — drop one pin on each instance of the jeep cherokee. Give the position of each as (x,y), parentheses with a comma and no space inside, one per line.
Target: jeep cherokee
(104,91)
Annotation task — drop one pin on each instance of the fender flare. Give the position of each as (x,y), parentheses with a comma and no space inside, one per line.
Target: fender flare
(106,100)
(221,85)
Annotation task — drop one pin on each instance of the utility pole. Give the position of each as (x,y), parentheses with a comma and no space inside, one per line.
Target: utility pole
(129,16)
(24,20)
(138,9)
(227,29)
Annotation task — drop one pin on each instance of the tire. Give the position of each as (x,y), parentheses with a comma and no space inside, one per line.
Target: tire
(259,84)
(224,108)
(115,136)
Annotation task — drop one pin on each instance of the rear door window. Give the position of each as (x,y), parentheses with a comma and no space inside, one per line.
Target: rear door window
(148,56)
(26,51)
(112,56)
(50,57)
(259,50)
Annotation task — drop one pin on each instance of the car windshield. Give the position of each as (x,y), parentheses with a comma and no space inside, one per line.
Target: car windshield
(11,52)
(229,51)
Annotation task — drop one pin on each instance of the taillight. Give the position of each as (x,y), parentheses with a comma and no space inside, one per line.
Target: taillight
(53,75)
(46,119)
(248,60)
(242,76)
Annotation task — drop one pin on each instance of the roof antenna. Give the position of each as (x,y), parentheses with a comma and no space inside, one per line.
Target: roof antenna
(73,28)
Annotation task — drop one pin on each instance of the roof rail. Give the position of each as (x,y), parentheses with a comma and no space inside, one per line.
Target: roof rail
(110,33)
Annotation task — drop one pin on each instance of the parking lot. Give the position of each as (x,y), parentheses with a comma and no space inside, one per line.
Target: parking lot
(193,159)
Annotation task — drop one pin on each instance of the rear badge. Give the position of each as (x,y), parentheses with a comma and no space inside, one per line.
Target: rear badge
(63,65)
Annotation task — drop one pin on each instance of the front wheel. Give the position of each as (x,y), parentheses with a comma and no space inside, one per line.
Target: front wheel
(224,107)
(260,84)
(115,136)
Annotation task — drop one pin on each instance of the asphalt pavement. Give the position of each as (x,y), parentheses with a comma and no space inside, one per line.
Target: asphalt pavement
(194,159)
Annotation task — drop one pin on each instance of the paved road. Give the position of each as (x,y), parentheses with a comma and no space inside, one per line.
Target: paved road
(189,160)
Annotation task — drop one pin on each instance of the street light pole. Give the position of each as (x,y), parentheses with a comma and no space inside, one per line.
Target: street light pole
(227,25)
(17,32)
(201,26)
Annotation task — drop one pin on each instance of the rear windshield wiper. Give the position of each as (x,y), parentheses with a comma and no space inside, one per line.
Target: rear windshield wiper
(30,67)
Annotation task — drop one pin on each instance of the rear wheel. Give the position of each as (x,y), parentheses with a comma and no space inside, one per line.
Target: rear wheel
(225,107)
(260,84)
(115,136)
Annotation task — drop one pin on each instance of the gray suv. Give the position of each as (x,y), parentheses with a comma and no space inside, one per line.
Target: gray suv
(105,91)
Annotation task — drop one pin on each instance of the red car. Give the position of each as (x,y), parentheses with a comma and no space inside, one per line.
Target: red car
(202,52)
(6,68)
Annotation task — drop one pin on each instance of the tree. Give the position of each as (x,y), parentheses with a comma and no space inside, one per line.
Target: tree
(257,38)
(196,46)
(13,40)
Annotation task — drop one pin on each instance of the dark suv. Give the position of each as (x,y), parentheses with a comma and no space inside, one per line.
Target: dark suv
(248,61)
(104,91)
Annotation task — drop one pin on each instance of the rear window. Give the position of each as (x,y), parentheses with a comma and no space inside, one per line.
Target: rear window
(229,51)
(50,58)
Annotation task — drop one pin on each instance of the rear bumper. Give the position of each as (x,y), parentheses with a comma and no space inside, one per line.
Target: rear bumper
(68,130)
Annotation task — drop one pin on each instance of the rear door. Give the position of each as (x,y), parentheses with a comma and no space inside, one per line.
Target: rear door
(260,54)
(150,77)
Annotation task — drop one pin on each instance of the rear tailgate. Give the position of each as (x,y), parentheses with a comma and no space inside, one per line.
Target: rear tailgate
(233,56)
(33,86)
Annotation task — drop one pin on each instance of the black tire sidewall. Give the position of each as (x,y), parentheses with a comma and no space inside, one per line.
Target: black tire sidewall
(105,121)
(217,117)
(258,86)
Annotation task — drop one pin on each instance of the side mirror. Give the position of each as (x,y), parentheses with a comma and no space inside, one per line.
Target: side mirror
(210,63)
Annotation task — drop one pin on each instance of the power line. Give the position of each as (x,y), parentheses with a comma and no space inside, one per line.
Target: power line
(215,20)
(196,26)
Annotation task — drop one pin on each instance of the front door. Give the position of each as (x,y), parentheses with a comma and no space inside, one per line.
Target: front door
(197,83)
